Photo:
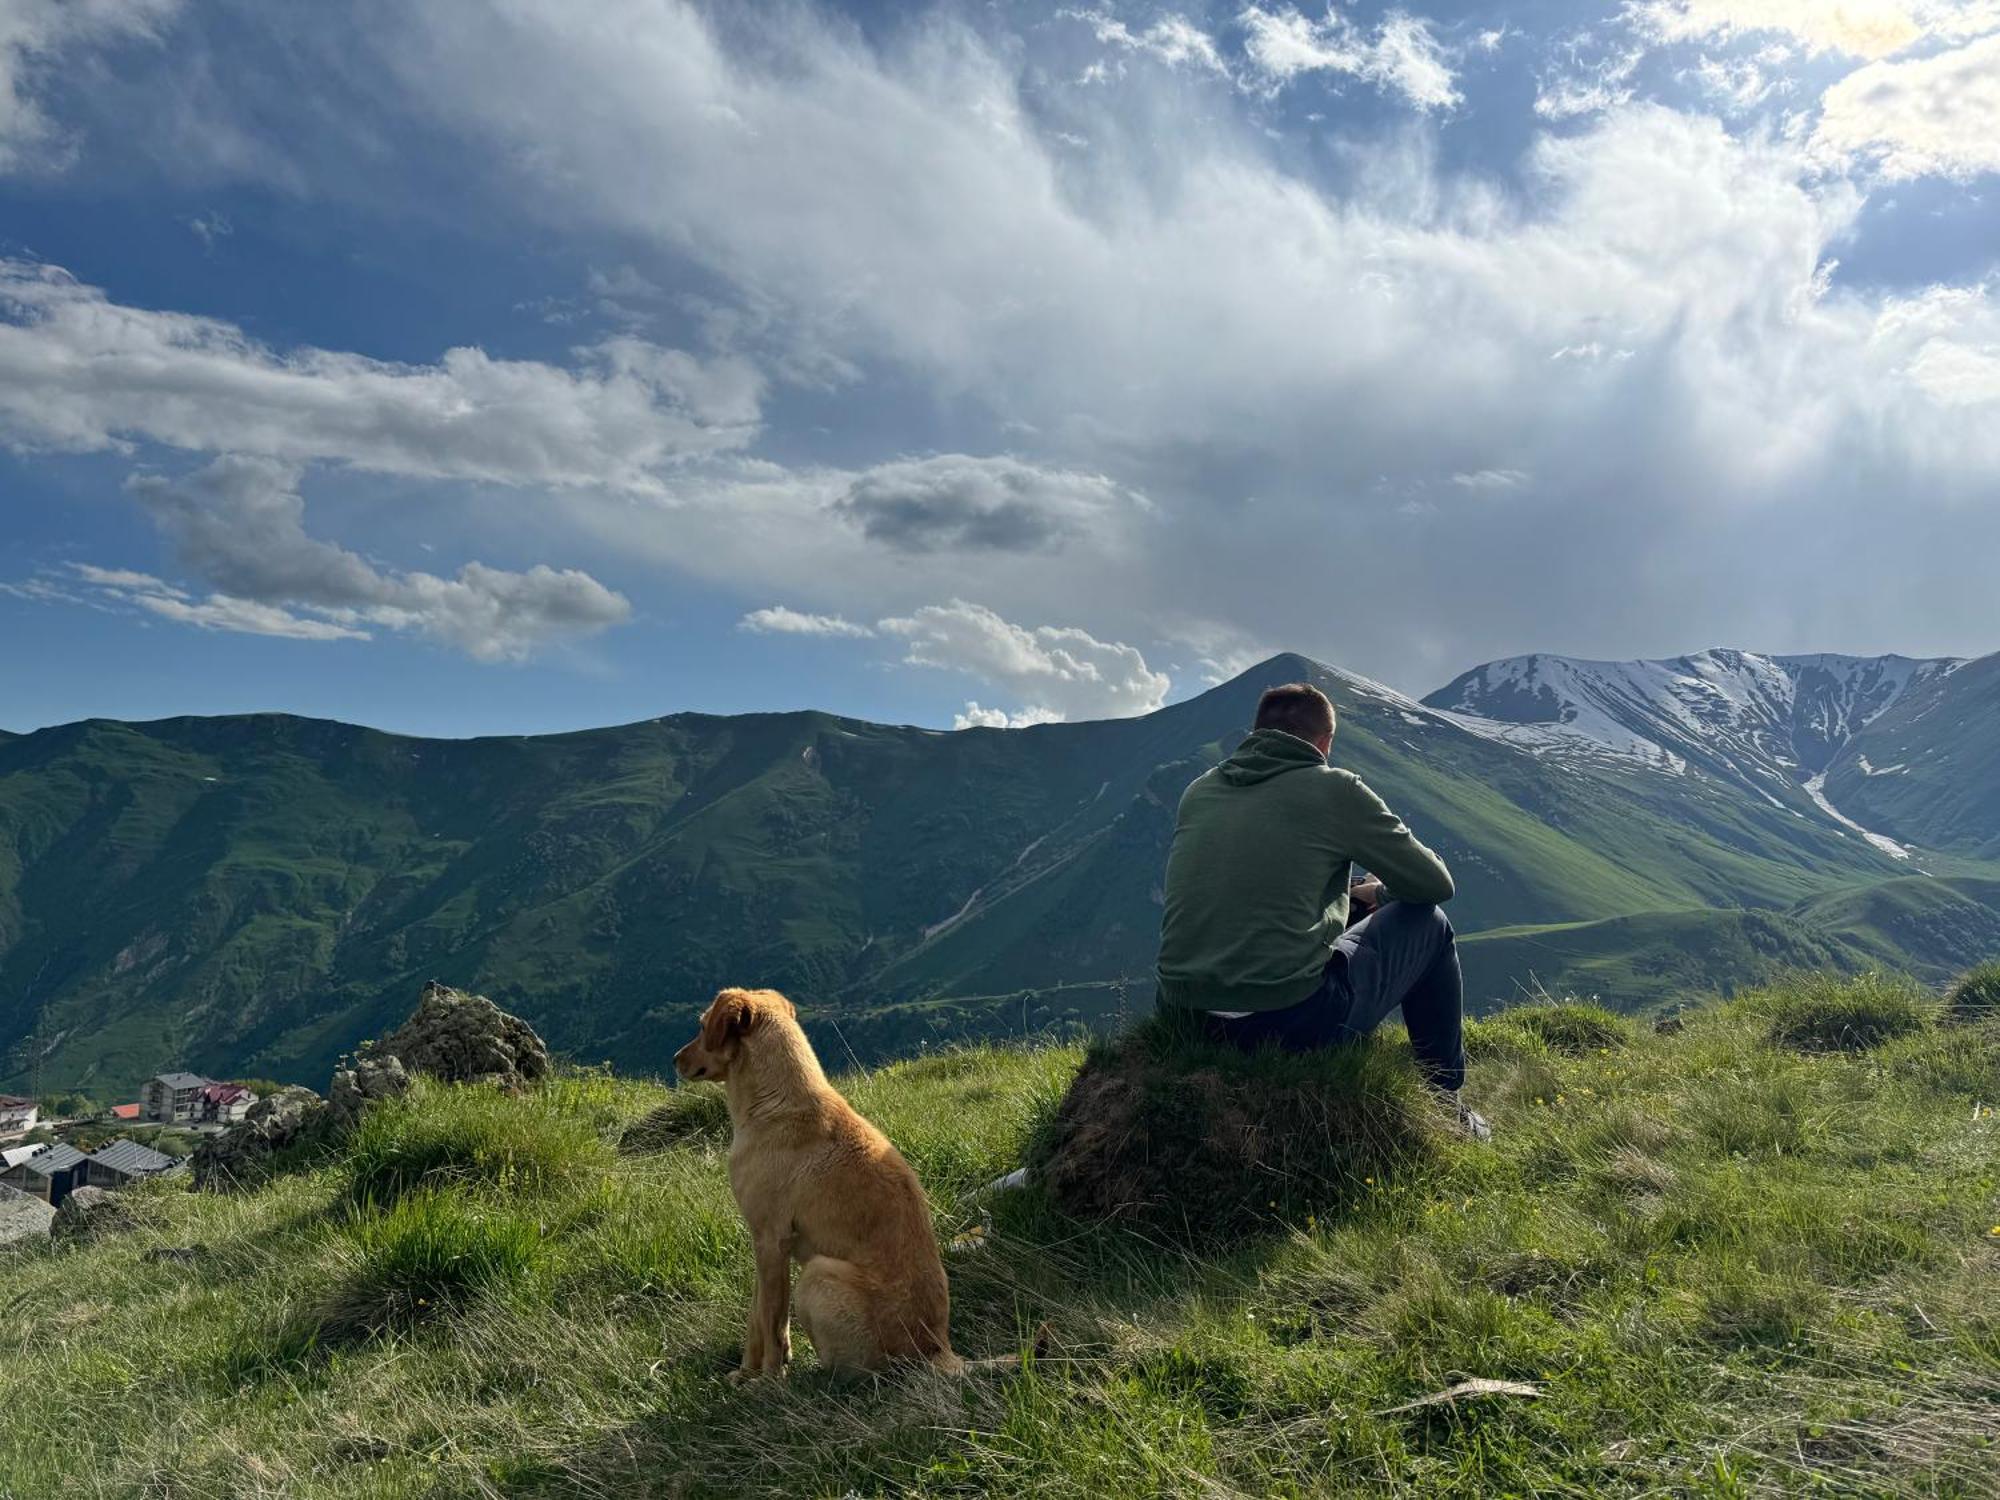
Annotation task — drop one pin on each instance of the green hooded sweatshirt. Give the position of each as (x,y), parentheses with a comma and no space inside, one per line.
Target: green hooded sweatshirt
(1264,848)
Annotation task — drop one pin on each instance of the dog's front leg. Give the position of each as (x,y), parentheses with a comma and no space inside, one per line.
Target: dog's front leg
(774,1293)
(767,1341)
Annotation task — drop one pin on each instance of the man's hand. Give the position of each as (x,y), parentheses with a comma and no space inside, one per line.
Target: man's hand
(1368,893)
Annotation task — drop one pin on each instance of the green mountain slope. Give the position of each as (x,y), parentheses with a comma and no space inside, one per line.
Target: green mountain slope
(253,895)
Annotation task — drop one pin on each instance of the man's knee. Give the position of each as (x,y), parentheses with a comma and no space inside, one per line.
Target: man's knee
(1421,916)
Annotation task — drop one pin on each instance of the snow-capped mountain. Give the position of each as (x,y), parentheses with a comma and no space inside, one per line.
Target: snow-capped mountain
(1772,723)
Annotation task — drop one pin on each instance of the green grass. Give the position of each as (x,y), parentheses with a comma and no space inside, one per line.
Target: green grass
(1976,995)
(1731,1263)
(1823,1013)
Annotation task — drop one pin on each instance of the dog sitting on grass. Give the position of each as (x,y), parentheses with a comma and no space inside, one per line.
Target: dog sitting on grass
(820,1185)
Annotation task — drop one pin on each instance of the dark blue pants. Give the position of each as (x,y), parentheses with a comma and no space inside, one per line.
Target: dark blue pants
(1404,955)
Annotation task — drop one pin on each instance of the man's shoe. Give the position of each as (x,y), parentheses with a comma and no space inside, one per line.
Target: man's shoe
(1467,1122)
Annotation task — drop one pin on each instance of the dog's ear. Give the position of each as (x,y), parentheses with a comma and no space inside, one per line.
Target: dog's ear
(730,1017)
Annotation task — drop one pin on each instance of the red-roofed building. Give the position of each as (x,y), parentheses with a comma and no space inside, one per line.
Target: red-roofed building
(226,1103)
(124,1111)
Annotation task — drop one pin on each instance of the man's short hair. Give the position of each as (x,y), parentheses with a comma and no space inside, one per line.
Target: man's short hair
(1298,708)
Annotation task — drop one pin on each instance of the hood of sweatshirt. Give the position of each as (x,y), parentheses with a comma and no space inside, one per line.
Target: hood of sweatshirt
(1267,753)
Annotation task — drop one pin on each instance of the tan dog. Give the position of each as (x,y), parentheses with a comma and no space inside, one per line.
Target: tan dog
(820,1185)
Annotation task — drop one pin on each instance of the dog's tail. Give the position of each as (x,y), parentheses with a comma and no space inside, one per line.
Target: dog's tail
(951,1364)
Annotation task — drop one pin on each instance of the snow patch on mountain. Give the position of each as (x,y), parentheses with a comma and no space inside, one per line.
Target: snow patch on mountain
(1770,723)
(1816,789)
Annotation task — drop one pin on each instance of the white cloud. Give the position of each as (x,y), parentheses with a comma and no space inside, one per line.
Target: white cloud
(1402,56)
(779,620)
(975,717)
(1931,116)
(1172,39)
(81,372)
(39,37)
(1861,28)
(1062,673)
(1490,479)
(239,524)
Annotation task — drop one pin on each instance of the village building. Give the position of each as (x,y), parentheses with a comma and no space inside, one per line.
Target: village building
(225,1103)
(123,1163)
(125,1113)
(51,1174)
(172,1098)
(17,1116)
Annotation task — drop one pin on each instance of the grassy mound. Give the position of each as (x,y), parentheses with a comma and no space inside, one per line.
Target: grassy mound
(695,1112)
(1976,996)
(432,1254)
(437,1134)
(1570,1027)
(1826,1013)
(1203,1143)
(1729,1266)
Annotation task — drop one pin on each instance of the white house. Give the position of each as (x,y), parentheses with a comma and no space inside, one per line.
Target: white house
(17,1116)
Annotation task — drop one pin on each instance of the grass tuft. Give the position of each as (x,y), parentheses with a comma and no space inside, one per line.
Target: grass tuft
(432,1254)
(1831,1013)
(438,1135)
(1976,995)
(1571,1027)
(692,1112)
(1202,1142)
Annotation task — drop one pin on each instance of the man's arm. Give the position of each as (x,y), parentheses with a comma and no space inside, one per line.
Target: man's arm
(1384,845)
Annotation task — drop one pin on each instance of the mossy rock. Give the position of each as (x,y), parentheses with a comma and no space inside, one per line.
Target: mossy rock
(1200,1143)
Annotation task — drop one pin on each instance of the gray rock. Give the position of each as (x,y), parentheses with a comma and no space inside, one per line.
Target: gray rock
(91,1213)
(463,1038)
(24,1218)
(246,1155)
(359,1081)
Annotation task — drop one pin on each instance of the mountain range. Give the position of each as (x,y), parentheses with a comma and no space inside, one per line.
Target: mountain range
(252,895)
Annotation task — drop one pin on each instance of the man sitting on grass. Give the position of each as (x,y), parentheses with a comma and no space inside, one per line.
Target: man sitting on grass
(1259,879)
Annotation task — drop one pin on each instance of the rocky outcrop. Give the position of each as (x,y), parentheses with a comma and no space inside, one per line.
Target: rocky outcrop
(452,1036)
(463,1038)
(361,1080)
(278,1126)
(24,1218)
(92,1213)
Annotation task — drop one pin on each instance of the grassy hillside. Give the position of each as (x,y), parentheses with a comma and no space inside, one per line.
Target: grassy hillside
(1649,960)
(1756,1255)
(252,895)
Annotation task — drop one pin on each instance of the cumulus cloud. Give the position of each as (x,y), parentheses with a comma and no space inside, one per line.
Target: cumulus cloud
(1930,116)
(38,37)
(975,717)
(1402,56)
(779,620)
(239,525)
(81,372)
(1280,364)
(956,501)
(1059,672)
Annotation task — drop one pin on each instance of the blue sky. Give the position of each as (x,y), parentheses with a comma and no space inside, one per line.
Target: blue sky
(506,365)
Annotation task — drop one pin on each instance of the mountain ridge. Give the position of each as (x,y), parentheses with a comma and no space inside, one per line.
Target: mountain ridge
(254,894)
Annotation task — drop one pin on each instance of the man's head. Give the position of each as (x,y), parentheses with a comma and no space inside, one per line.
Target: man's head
(1298,708)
